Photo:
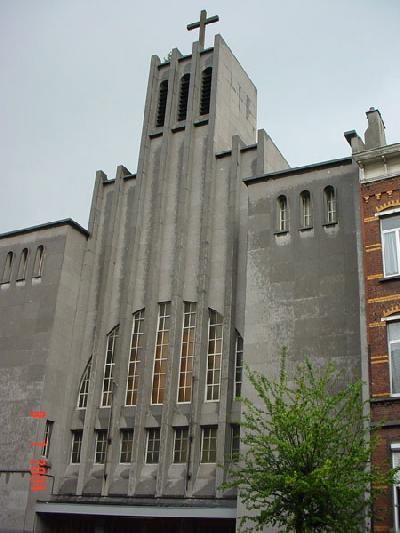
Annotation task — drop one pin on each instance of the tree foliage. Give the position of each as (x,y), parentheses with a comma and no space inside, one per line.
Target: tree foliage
(306,465)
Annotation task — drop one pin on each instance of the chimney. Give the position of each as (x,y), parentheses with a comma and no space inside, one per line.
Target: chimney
(354,141)
(375,133)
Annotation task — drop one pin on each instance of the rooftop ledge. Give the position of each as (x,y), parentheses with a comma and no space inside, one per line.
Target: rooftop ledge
(300,170)
(45,226)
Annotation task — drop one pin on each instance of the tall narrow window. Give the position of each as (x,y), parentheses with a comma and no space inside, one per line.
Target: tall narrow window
(214,356)
(187,353)
(390,229)
(208,444)
(126,446)
(395,448)
(235,442)
(330,205)
(39,262)
(153,446)
(162,103)
(76,446)
(183,97)
(7,268)
(181,445)
(134,358)
(23,262)
(101,446)
(84,386)
(47,437)
(305,205)
(106,395)
(282,208)
(238,366)
(206,78)
(394,355)
(161,354)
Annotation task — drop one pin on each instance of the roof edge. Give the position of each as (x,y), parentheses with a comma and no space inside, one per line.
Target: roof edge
(47,225)
(300,170)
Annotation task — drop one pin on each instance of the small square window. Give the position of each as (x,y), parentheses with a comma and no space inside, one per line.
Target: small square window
(101,446)
(208,444)
(235,442)
(181,445)
(153,446)
(76,446)
(126,446)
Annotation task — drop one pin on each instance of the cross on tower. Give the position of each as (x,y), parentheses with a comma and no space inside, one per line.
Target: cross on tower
(202,25)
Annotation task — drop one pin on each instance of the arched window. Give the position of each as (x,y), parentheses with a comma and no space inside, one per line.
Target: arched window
(23,262)
(7,268)
(330,205)
(108,379)
(84,386)
(183,97)
(162,104)
(305,206)
(206,78)
(39,261)
(135,357)
(282,209)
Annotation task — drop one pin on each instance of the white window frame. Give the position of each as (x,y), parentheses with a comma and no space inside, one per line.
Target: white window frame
(396,231)
(213,384)
(135,355)
(283,213)
(331,212)
(203,429)
(147,445)
(76,433)
(164,313)
(100,432)
(83,393)
(395,450)
(186,357)
(107,389)
(182,429)
(389,342)
(123,432)
(238,383)
(306,218)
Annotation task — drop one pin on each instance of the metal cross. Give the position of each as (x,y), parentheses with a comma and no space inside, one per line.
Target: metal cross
(202,25)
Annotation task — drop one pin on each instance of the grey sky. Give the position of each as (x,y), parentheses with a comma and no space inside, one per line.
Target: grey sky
(73,76)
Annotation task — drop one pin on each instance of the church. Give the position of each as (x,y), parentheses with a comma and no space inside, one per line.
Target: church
(123,345)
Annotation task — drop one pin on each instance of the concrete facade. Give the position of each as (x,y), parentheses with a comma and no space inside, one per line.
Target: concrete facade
(197,224)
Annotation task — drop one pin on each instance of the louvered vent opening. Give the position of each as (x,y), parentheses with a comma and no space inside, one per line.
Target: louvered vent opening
(183,97)
(205,91)
(162,104)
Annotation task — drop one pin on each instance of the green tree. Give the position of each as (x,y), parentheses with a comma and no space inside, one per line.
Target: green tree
(306,465)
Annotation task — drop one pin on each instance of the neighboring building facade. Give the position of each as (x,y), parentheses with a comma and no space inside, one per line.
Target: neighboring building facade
(380,219)
(132,339)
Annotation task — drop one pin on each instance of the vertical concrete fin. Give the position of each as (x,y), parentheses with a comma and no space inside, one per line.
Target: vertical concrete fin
(269,157)
(101,177)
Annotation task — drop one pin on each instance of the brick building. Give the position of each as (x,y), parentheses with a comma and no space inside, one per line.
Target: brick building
(380,230)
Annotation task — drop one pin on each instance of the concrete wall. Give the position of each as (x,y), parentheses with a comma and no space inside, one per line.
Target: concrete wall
(303,284)
(34,352)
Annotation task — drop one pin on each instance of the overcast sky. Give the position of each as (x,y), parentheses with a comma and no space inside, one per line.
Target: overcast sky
(73,76)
